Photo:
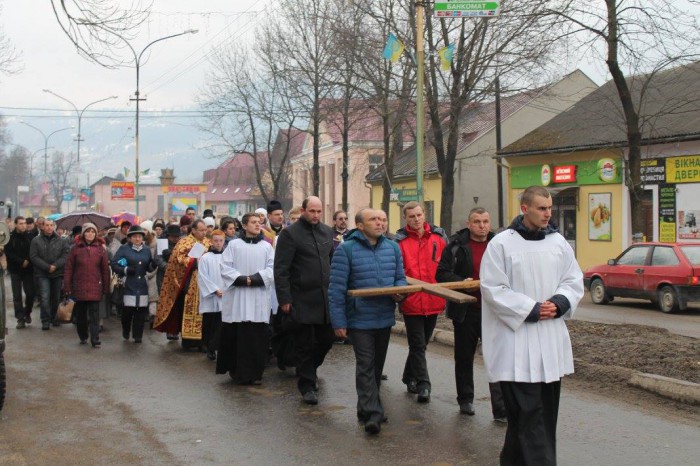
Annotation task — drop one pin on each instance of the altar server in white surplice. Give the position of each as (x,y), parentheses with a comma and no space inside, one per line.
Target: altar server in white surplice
(211,292)
(247,273)
(530,284)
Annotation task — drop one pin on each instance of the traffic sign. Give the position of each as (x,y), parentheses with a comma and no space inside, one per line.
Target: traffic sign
(457,9)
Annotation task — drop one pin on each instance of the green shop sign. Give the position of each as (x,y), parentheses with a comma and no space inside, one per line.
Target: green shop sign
(604,171)
(403,195)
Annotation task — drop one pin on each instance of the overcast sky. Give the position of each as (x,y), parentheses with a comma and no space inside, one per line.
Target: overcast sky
(170,78)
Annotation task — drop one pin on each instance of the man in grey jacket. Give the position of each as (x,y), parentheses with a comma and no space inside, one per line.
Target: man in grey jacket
(48,253)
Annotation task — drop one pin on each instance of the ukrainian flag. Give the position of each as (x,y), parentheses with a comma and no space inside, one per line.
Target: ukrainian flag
(446,54)
(394,48)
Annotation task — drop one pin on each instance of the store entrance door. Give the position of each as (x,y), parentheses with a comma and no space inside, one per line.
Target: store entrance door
(564,214)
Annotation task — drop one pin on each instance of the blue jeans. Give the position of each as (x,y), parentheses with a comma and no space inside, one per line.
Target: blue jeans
(50,296)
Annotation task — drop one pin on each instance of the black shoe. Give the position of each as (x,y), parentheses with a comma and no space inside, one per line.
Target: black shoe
(96,344)
(28,320)
(310,397)
(46,325)
(172,336)
(83,342)
(424,395)
(211,355)
(501,420)
(21,324)
(137,340)
(56,323)
(125,336)
(412,386)
(385,377)
(466,408)
(373,427)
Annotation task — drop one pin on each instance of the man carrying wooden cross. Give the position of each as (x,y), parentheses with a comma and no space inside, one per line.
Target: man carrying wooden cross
(421,245)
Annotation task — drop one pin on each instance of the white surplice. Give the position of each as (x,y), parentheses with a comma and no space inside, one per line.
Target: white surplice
(516,274)
(242,303)
(209,280)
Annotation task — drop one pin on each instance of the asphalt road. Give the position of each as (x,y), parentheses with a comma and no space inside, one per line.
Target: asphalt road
(641,312)
(156,404)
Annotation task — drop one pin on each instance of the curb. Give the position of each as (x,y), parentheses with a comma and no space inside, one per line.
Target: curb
(675,389)
(679,390)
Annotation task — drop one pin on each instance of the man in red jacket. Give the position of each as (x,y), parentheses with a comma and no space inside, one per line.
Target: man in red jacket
(421,245)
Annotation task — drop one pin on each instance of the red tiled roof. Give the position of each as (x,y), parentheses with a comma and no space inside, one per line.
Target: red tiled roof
(234,179)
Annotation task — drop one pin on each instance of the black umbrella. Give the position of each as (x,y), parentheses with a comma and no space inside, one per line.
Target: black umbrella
(68,221)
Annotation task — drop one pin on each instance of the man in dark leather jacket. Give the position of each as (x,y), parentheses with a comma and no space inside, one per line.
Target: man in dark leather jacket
(461,260)
(21,271)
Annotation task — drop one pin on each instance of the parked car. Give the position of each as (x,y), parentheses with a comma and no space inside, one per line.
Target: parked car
(668,274)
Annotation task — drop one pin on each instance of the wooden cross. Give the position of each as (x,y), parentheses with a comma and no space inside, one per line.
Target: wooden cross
(444,290)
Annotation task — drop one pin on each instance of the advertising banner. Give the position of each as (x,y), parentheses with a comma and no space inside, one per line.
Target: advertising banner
(123,190)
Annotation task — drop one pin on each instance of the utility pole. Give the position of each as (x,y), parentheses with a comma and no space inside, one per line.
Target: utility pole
(420,113)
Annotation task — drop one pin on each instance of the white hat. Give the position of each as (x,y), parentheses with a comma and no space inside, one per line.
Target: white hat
(147,225)
(210,222)
(262,211)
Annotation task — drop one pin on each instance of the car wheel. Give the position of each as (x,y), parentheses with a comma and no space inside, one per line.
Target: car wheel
(598,293)
(668,300)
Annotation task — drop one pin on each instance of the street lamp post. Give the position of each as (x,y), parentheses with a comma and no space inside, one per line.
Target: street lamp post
(79,113)
(46,142)
(138,99)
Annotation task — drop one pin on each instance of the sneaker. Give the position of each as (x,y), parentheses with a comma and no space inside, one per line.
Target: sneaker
(310,397)
(20,324)
(28,320)
(466,408)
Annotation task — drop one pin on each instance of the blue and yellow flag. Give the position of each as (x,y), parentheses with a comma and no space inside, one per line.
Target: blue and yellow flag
(446,54)
(393,49)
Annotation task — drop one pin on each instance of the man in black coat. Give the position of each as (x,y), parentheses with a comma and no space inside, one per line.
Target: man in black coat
(48,253)
(302,270)
(21,271)
(461,260)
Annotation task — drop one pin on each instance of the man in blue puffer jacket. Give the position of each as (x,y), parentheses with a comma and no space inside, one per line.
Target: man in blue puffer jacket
(366,259)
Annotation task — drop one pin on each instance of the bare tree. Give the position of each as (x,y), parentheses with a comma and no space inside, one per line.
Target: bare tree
(638,38)
(249,111)
(515,43)
(300,50)
(14,170)
(389,87)
(9,56)
(98,28)
(63,166)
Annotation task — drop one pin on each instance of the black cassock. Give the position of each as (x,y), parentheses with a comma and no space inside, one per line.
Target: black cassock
(243,351)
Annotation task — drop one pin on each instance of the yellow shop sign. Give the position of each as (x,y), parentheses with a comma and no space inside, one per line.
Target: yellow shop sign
(683,169)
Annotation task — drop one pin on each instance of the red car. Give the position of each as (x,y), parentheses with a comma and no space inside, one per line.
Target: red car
(666,273)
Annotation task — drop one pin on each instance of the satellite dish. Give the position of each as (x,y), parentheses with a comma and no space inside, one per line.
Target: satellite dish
(4,234)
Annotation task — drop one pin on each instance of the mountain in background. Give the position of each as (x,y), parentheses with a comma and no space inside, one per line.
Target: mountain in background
(108,144)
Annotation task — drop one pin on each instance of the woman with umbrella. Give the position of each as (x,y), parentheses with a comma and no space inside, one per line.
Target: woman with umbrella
(86,278)
(133,260)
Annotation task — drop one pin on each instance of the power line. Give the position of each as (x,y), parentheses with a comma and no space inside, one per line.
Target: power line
(206,55)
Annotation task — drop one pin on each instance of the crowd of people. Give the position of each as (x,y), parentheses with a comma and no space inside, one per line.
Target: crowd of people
(266,288)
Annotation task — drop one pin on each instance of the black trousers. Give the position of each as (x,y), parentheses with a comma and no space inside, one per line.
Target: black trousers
(467,334)
(243,350)
(370,348)
(419,330)
(133,319)
(311,344)
(88,311)
(22,282)
(211,330)
(532,410)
